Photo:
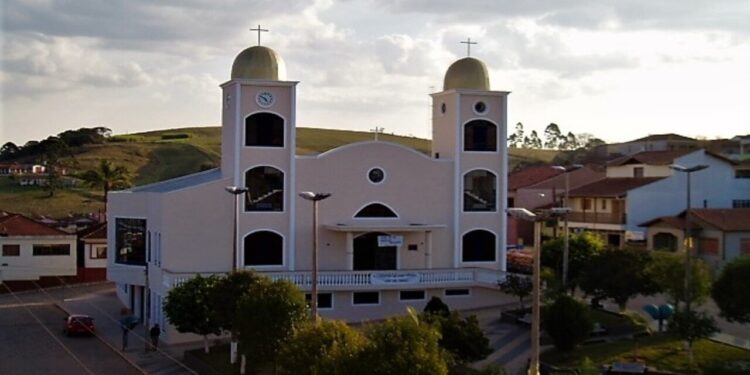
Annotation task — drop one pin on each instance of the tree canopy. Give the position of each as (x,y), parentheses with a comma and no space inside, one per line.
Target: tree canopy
(188,308)
(325,347)
(668,271)
(567,321)
(582,248)
(107,177)
(619,275)
(731,288)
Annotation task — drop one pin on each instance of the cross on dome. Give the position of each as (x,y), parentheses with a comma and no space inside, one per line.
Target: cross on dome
(259,30)
(468,43)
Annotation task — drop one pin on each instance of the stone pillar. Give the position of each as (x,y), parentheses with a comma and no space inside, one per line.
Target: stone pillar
(349,251)
(428,249)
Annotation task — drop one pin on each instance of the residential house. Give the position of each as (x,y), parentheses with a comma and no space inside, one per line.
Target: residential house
(30,250)
(92,253)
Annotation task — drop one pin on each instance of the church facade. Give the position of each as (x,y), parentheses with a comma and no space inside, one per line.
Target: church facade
(399,227)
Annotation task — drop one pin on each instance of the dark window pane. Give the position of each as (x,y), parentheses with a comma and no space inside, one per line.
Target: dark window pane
(52,249)
(411,295)
(264,129)
(11,250)
(325,300)
(456,292)
(479,191)
(265,189)
(479,246)
(130,241)
(480,135)
(376,210)
(264,248)
(366,298)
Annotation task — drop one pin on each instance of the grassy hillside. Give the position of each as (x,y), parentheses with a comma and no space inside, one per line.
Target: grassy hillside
(152,157)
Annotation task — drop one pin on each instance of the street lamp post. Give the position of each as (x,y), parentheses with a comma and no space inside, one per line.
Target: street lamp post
(566,247)
(538,219)
(236,191)
(315,198)
(688,238)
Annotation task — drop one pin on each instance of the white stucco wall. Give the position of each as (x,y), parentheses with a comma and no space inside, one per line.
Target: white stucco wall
(27,266)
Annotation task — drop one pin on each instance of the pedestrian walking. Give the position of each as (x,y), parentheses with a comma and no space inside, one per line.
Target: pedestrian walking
(154,333)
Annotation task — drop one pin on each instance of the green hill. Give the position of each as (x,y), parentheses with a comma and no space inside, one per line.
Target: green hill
(160,155)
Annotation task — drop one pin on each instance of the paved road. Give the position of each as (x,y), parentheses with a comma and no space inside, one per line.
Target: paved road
(31,342)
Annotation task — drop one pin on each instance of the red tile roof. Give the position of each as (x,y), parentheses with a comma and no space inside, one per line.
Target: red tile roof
(725,219)
(612,186)
(650,158)
(530,176)
(19,225)
(663,137)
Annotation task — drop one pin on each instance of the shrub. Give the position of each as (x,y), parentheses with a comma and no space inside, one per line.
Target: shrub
(568,322)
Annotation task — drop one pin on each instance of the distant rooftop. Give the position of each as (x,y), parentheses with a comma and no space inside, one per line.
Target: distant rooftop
(612,186)
(664,137)
(530,176)
(19,225)
(650,158)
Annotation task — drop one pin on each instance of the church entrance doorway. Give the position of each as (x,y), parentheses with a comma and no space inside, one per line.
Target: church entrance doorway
(368,256)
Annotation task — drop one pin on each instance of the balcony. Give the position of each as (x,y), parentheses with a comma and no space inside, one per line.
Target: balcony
(597,217)
(374,280)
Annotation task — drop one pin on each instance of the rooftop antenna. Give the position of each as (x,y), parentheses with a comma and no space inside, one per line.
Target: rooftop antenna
(259,30)
(468,43)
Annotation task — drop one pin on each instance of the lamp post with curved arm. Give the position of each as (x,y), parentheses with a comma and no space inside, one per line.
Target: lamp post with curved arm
(315,198)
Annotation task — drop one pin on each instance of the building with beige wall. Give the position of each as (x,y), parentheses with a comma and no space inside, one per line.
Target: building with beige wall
(399,227)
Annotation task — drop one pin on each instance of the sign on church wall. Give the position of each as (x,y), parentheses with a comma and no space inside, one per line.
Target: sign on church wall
(388,241)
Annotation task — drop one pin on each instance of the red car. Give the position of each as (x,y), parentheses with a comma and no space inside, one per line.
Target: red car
(78,324)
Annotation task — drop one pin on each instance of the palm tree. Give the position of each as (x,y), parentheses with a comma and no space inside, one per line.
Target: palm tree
(107,177)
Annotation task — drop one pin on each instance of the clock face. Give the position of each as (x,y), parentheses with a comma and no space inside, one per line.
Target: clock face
(264,99)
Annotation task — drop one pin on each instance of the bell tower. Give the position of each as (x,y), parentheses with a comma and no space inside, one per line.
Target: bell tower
(469,126)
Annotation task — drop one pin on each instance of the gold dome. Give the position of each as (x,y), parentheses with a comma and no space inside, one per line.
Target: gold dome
(259,62)
(467,73)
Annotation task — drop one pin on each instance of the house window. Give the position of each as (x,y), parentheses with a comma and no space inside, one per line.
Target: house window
(325,300)
(130,241)
(665,241)
(709,246)
(745,246)
(264,248)
(456,292)
(264,129)
(265,189)
(51,249)
(478,246)
(98,252)
(11,250)
(480,135)
(586,204)
(741,203)
(376,210)
(365,298)
(604,204)
(411,295)
(638,172)
(479,191)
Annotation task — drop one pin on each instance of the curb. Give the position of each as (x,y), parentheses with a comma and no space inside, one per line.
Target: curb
(105,342)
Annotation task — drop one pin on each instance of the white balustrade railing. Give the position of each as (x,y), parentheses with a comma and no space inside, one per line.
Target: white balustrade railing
(373,279)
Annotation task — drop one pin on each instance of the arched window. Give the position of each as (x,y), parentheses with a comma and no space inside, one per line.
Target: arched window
(265,189)
(479,191)
(264,129)
(264,248)
(480,135)
(479,246)
(376,210)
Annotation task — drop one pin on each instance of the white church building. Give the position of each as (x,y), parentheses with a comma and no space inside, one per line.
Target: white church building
(399,227)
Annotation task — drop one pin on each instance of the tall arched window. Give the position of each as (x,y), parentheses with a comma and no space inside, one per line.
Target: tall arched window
(479,190)
(265,189)
(376,210)
(480,135)
(264,248)
(264,129)
(479,246)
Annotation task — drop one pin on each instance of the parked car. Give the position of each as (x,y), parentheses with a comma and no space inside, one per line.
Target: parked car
(78,324)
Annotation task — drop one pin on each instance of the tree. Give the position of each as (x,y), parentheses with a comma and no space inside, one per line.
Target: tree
(668,271)
(107,177)
(619,275)
(519,286)
(267,316)
(228,292)
(690,326)
(568,322)
(436,306)
(731,288)
(532,141)
(403,345)
(8,151)
(582,247)
(516,139)
(552,136)
(461,337)
(188,308)
(326,347)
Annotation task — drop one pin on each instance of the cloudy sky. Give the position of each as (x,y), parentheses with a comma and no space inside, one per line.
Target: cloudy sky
(619,69)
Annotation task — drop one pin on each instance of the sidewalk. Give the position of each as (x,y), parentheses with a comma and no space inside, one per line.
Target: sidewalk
(104,307)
